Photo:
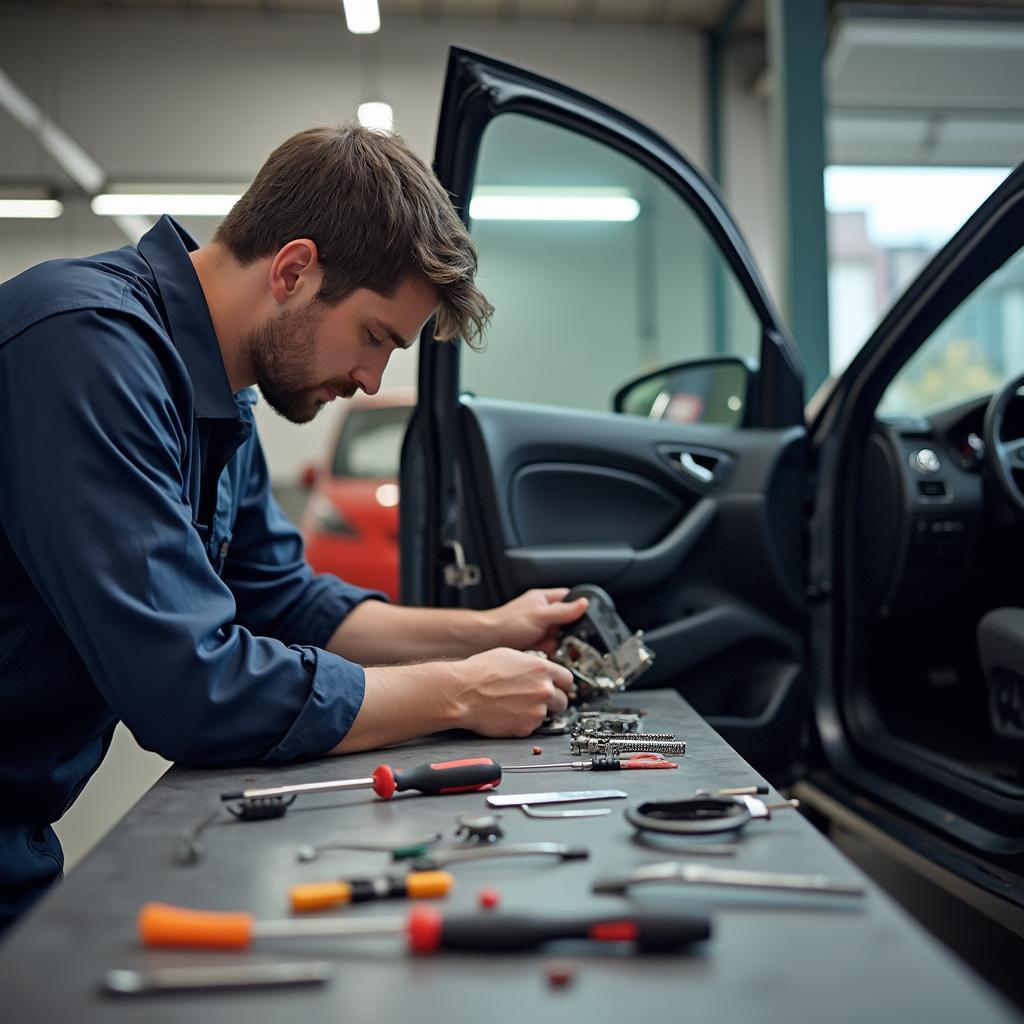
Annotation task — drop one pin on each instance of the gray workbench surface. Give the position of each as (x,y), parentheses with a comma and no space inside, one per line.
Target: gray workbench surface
(771,958)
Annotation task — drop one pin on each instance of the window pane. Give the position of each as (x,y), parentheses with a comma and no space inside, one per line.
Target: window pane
(979,346)
(630,283)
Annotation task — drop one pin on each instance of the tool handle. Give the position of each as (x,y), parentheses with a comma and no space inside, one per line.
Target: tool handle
(318,895)
(414,886)
(464,776)
(162,925)
(612,762)
(429,931)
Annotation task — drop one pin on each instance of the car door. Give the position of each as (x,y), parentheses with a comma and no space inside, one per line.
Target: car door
(607,255)
(900,701)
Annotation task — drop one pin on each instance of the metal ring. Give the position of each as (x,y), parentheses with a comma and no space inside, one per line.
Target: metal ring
(701,815)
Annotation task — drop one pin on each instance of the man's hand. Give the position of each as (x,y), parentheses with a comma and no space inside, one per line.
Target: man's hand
(508,693)
(532,620)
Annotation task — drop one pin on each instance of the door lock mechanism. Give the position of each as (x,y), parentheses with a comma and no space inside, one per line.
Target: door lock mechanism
(458,574)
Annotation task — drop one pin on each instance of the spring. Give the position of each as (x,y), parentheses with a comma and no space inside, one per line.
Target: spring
(635,744)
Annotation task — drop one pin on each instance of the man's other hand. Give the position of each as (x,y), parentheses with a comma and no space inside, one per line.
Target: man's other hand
(532,620)
(509,693)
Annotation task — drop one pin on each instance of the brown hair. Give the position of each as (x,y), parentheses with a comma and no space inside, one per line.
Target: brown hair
(377,214)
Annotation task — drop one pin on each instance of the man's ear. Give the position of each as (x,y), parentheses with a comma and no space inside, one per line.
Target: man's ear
(295,272)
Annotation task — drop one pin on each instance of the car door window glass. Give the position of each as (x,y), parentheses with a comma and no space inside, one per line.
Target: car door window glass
(978,347)
(598,271)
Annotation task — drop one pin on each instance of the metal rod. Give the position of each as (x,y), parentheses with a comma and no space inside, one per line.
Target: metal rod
(214,976)
(303,787)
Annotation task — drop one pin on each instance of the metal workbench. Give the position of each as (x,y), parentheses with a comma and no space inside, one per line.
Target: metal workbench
(772,957)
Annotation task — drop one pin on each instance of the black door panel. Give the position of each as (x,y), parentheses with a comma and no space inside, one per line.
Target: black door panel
(569,497)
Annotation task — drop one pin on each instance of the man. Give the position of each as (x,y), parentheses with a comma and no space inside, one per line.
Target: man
(146,574)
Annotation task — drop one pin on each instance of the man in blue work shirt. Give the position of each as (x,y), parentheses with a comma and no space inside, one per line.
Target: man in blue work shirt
(146,573)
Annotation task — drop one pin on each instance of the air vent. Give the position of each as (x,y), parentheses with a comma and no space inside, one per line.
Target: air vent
(932,488)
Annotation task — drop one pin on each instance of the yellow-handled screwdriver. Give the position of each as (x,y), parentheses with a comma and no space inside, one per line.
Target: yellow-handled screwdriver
(417,885)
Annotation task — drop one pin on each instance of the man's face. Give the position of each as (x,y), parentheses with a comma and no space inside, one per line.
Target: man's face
(301,359)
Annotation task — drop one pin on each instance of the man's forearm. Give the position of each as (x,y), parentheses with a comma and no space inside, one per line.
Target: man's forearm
(402,703)
(376,633)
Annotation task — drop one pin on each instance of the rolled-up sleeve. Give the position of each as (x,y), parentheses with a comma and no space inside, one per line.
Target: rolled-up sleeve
(97,512)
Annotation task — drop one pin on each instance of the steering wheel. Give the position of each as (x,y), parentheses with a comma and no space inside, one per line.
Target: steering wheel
(1004,456)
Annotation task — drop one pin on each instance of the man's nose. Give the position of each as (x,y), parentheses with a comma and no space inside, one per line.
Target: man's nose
(369,380)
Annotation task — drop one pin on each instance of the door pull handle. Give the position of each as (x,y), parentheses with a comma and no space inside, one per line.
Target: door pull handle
(690,465)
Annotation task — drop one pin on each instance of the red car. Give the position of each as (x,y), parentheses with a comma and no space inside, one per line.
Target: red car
(350,523)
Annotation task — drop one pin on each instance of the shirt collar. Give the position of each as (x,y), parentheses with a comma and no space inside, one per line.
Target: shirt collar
(165,247)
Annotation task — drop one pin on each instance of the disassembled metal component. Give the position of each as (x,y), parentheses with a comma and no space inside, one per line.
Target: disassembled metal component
(405,850)
(605,722)
(123,982)
(458,856)
(701,874)
(566,797)
(603,656)
(636,744)
(483,828)
(702,814)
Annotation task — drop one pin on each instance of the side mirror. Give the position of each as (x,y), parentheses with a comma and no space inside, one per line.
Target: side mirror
(712,391)
(308,477)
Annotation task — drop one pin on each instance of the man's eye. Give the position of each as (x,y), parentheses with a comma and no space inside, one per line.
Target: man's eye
(373,339)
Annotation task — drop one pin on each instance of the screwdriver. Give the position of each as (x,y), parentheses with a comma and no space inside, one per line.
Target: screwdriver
(600,764)
(414,886)
(465,776)
(425,928)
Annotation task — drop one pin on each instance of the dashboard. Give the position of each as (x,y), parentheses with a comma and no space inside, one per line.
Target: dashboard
(920,506)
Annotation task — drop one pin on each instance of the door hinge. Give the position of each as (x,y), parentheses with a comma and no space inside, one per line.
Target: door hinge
(458,574)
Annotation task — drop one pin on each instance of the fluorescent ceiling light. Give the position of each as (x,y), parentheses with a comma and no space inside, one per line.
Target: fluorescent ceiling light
(362,16)
(153,204)
(538,203)
(40,209)
(378,116)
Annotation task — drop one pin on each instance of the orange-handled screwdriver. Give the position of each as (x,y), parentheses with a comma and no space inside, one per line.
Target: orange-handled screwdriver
(416,885)
(464,776)
(425,928)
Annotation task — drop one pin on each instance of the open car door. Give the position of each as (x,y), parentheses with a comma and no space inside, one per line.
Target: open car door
(609,257)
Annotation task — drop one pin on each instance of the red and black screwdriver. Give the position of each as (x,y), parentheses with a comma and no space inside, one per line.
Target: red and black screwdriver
(465,776)
(426,929)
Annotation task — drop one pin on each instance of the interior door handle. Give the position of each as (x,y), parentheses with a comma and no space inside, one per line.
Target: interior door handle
(690,465)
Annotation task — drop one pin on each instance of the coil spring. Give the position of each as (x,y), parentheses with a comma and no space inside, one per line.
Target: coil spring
(636,745)
(261,808)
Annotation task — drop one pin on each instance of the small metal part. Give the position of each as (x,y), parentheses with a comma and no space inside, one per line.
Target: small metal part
(595,812)
(401,850)
(189,847)
(261,808)
(702,874)
(123,982)
(482,828)
(537,750)
(566,797)
(635,744)
(442,858)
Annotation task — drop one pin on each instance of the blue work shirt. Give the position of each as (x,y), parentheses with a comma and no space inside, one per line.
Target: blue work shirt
(146,573)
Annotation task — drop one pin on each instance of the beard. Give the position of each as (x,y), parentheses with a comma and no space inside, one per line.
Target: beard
(279,354)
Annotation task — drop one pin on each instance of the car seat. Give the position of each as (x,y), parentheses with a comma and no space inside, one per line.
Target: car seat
(1001,648)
